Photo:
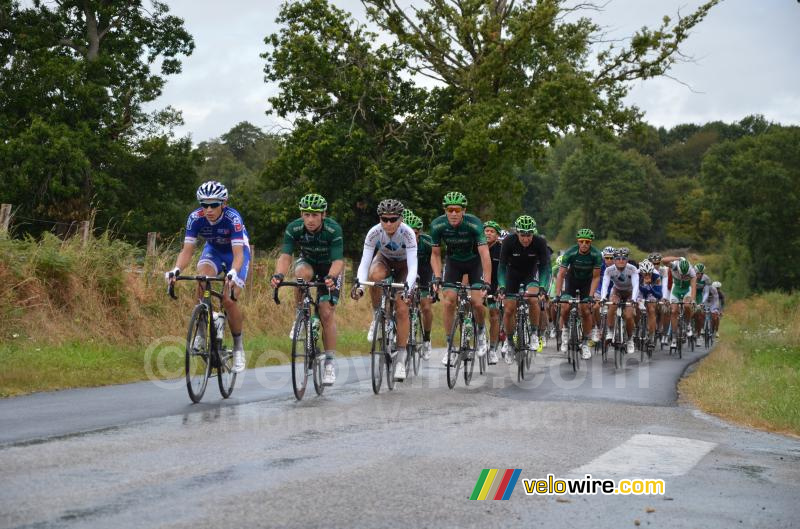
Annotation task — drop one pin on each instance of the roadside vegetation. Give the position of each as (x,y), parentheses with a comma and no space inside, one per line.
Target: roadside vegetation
(752,376)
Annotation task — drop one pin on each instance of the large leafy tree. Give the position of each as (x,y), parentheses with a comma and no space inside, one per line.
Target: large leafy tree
(355,120)
(753,185)
(520,76)
(74,80)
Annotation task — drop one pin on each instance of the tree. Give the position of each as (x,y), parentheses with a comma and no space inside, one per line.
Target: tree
(519,77)
(76,76)
(753,185)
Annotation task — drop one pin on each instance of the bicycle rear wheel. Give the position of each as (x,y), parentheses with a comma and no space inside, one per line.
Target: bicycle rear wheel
(378,352)
(226,377)
(198,361)
(454,355)
(301,363)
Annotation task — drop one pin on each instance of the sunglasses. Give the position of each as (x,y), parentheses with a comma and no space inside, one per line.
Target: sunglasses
(212,205)
(525,233)
(608,258)
(620,258)
(584,241)
(454,210)
(389,220)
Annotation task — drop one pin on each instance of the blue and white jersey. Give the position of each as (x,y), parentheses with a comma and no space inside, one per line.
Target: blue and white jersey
(653,291)
(398,246)
(625,280)
(222,235)
(600,283)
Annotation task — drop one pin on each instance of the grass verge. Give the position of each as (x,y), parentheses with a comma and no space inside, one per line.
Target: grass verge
(752,376)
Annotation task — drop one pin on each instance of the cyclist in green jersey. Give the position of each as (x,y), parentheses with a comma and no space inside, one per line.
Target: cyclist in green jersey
(467,254)
(319,241)
(492,231)
(684,288)
(425,273)
(579,271)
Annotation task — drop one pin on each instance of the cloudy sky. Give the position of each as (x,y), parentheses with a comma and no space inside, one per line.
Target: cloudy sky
(745,51)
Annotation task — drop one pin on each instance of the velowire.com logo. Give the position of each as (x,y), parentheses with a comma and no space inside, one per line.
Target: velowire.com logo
(496,484)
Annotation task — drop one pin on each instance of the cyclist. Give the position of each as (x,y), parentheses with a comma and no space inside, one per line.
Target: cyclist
(649,290)
(625,277)
(524,261)
(684,288)
(551,293)
(226,244)
(579,270)
(390,250)
(425,274)
(663,306)
(492,231)
(703,281)
(319,241)
(608,260)
(711,299)
(467,254)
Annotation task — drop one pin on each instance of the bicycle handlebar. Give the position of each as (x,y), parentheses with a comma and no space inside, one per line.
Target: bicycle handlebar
(299,283)
(171,287)
(383,283)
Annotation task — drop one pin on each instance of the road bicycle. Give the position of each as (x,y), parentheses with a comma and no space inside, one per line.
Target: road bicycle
(523,331)
(574,330)
(620,338)
(308,358)
(383,351)
(462,339)
(680,337)
(414,356)
(641,334)
(204,348)
(708,330)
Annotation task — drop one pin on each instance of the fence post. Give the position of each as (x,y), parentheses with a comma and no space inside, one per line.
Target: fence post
(151,243)
(85,231)
(5,218)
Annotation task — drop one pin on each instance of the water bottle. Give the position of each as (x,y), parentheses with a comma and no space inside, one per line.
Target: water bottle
(468,327)
(315,324)
(219,322)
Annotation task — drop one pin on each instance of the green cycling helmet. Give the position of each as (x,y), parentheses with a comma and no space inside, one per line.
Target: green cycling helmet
(414,222)
(699,268)
(684,265)
(585,233)
(492,224)
(454,198)
(525,223)
(313,202)
(407,215)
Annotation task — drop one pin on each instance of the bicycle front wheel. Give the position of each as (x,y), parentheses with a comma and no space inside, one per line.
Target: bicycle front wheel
(469,350)
(378,352)
(301,363)
(521,346)
(198,356)
(416,341)
(453,352)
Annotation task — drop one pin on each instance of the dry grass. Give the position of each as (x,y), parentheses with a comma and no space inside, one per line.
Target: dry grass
(73,316)
(753,376)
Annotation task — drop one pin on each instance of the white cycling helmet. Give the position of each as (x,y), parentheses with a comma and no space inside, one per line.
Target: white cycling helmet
(608,250)
(212,190)
(646,267)
(716,284)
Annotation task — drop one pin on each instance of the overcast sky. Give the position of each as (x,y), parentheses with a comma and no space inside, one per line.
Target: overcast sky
(746,62)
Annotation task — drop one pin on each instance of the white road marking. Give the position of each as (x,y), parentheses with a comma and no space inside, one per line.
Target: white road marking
(645,455)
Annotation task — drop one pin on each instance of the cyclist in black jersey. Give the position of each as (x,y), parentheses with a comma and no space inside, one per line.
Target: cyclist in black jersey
(492,230)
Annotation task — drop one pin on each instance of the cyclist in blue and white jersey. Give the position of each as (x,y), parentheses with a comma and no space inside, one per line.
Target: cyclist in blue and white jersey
(226,245)
(625,277)
(390,250)
(650,289)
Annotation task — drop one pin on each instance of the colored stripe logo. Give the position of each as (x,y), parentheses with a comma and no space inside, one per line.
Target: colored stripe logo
(496,484)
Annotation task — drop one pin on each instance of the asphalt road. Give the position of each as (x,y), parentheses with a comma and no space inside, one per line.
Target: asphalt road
(141,455)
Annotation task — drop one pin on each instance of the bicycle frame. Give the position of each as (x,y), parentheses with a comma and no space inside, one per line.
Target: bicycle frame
(385,321)
(465,352)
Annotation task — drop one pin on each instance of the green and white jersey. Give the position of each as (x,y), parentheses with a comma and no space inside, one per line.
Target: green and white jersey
(681,283)
(461,241)
(323,246)
(702,285)
(582,266)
